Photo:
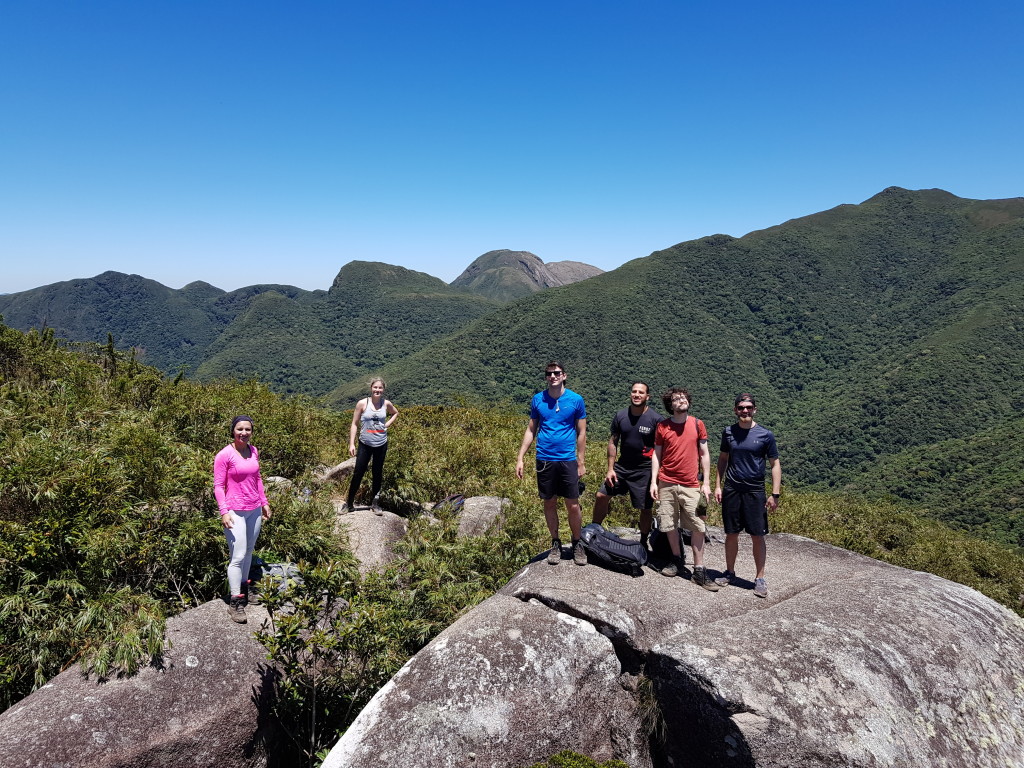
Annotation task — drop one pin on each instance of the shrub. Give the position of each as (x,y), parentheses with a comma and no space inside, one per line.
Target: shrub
(107,518)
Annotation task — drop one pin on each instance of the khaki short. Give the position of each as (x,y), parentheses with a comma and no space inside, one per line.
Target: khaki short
(677,507)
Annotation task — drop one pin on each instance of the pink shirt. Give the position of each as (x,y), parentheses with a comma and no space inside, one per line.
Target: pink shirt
(237,484)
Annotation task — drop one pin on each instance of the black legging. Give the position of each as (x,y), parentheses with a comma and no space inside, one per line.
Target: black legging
(363,455)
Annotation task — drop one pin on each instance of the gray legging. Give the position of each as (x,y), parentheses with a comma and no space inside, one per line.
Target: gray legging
(241,536)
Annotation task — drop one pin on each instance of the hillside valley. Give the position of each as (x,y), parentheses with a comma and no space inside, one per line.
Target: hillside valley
(95,557)
(884,341)
(295,340)
(877,336)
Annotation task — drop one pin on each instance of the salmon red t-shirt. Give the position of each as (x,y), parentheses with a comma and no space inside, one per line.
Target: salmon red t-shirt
(680,456)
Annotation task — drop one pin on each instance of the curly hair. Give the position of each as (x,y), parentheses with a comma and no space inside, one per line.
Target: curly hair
(671,392)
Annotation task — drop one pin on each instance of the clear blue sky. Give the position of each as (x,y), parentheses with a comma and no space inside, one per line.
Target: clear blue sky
(272,142)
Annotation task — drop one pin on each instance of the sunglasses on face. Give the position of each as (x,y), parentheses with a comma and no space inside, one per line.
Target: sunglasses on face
(553,373)
(744,407)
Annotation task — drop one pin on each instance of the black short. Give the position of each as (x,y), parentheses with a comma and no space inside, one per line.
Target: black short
(635,482)
(744,511)
(558,478)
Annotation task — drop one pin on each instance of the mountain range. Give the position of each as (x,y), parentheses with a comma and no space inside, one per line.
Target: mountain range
(884,341)
(298,341)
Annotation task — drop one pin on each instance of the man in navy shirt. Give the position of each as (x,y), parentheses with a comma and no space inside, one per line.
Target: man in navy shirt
(746,448)
(558,419)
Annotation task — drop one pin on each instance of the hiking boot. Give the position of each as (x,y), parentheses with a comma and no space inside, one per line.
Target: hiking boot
(236,610)
(726,579)
(344,508)
(555,555)
(672,569)
(375,506)
(579,554)
(701,579)
(760,587)
(252,596)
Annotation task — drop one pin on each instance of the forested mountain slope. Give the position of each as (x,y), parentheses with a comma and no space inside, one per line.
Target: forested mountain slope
(869,332)
(169,328)
(296,341)
(374,313)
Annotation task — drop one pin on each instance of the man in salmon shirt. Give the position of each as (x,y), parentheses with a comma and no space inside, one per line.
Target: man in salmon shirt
(680,447)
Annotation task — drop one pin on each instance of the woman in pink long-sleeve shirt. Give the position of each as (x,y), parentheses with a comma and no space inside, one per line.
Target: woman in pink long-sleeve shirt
(238,487)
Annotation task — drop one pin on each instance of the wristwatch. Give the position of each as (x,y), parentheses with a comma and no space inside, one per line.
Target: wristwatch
(776,496)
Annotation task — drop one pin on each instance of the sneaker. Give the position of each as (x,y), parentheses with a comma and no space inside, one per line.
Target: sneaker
(555,555)
(726,579)
(579,554)
(701,579)
(236,609)
(343,508)
(760,587)
(671,569)
(375,506)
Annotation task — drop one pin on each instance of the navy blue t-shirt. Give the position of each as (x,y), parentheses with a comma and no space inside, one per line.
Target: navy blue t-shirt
(747,449)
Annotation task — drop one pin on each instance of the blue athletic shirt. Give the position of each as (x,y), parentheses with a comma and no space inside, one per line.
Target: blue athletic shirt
(556,419)
(747,449)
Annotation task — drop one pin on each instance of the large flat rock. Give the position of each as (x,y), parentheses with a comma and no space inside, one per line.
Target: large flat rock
(848,662)
(511,679)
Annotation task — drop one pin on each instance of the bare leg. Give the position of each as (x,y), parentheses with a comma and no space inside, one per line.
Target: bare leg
(673,540)
(575,514)
(697,545)
(646,518)
(601,508)
(760,554)
(551,516)
(732,548)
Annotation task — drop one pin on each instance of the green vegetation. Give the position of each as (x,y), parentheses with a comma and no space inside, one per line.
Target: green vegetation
(169,329)
(885,341)
(295,341)
(107,520)
(108,525)
(872,335)
(570,759)
(345,638)
(373,314)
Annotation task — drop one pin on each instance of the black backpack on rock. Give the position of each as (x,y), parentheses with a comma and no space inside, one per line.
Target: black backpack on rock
(660,548)
(607,549)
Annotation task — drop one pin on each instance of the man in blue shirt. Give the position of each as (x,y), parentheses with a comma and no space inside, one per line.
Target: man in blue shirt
(745,449)
(558,420)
